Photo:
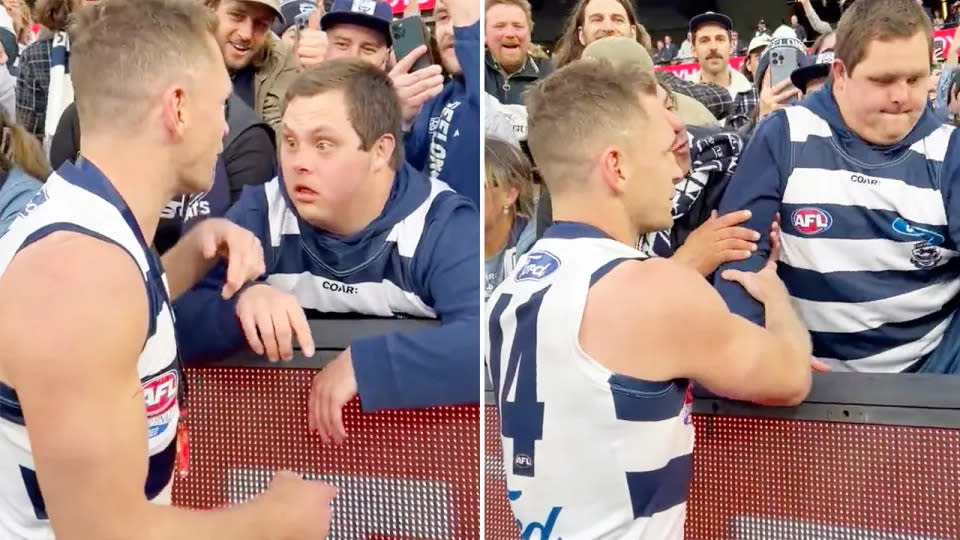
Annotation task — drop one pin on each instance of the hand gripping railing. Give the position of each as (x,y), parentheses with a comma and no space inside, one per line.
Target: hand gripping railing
(401,474)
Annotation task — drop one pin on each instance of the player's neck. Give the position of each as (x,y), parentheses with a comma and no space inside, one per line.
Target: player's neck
(145,189)
(606,216)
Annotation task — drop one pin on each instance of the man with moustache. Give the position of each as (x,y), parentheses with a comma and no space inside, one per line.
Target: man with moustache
(510,68)
(863,174)
(712,47)
(260,64)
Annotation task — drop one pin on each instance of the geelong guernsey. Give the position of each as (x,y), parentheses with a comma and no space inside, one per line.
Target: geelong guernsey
(588,453)
(80,199)
(869,233)
(419,258)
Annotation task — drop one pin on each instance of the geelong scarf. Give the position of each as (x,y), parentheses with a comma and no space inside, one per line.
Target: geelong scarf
(714,155)
(60,94)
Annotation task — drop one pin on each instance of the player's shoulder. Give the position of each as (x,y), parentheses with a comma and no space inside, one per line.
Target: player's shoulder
(74,264)
(70,292)
(654,271)
(654,285)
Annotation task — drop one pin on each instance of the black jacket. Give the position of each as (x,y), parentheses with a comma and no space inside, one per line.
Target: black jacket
(508,89)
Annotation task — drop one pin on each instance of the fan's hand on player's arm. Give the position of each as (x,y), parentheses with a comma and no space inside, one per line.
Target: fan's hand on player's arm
(208,242)
(717,241)
(332,388)
(270,319)
(415,89)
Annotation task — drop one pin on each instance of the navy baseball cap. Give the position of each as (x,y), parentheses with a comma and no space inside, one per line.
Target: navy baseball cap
(373,14)
(710,17)
(812,67)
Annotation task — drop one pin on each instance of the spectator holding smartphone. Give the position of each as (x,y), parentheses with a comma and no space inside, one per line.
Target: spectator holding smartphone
(444,141)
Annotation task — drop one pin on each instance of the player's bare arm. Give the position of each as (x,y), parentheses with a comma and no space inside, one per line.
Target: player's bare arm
(75,334)
(212,239)
(679,327)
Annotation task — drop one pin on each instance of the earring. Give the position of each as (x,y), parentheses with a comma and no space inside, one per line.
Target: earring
(506,209)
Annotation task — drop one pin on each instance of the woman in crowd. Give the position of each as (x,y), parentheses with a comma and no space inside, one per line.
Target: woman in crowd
(22,165)
(509,226)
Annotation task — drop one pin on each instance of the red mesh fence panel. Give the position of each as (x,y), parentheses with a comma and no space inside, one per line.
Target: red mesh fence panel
(773,479)
(498,519)
(402,475)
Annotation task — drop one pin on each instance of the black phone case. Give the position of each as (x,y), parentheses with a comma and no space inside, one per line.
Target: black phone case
(409,33)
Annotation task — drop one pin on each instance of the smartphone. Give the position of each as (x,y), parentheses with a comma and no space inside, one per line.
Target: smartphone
(784,58)
(409,33)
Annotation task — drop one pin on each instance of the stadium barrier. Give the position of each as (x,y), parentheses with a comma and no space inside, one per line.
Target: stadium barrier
(866,456)
(404,474)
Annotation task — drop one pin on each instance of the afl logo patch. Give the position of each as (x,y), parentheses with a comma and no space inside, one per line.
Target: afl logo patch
(160,393)
(810,221)
(538,265)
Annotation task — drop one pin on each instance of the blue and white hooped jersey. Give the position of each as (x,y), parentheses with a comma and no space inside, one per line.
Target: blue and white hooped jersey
(80,199)
(380,284)
(588,453)
(867,254)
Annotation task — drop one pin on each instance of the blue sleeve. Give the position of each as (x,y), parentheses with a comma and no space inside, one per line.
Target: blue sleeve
(14,199)
(756,186)
(207,325)
(441,365)
(949,183)
(416,143)
(466,45)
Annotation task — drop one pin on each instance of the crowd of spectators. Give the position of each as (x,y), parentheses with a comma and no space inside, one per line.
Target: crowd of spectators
(725,112)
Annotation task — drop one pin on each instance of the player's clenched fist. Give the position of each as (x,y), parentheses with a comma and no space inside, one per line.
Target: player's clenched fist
(304,505)
(270,318)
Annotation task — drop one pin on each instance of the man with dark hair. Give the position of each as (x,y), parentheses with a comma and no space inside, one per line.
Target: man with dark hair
(863,174)
(712,47)
(77,265)
(349,227)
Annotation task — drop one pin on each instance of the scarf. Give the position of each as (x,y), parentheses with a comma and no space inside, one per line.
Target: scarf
(60,94)
(714,156)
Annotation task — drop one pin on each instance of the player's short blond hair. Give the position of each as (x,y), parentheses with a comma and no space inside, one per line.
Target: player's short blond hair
(122,52)
(580,109)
